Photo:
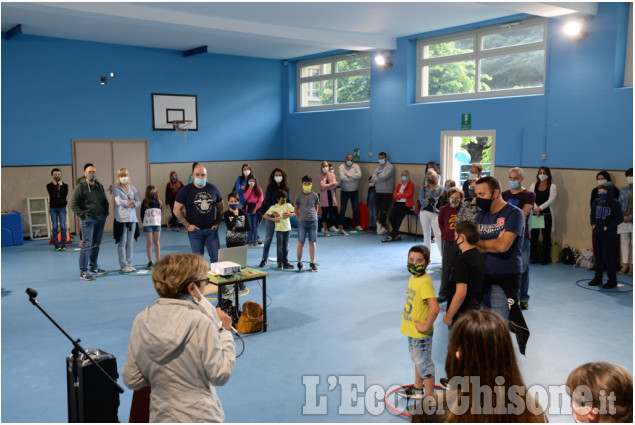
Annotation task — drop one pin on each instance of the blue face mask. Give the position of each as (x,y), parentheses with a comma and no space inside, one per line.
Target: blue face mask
(200,182)
(514,185)
(233,206)
(349,163)
(603,196)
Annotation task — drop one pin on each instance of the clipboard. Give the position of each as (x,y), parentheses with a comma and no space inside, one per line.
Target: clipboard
(536,222)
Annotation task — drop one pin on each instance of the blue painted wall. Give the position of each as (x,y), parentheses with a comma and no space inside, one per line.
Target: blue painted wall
(51,94)
(584,119)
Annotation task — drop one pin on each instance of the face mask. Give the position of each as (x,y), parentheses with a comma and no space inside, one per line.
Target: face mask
(200,182)
(473,176)
(325,169)
(246,172)
(542,177)
(252,183)
(603,196)
(446,188)
(416,269)
(173,179)
(602,182)
(484,204)
(629,179)
(282,201)
(208,308)
(123,180)
(454,202)
(277,179)
(404,178)
(307,187)
(58,178)
(154,196)
(457,243)
(349,163)
(431,181)
(514,185)
(233,206)
(91,177)
(382,161)
(472,193)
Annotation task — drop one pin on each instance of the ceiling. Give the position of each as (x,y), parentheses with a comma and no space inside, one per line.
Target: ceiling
(260,29)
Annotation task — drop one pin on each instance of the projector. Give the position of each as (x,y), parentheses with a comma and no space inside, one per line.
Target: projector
(225,268)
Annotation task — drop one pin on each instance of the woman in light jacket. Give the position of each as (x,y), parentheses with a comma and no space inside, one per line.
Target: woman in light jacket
(546,193)
(429,215)
(126,224)
(181,346)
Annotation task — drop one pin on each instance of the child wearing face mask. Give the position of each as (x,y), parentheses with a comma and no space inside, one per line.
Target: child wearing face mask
(307,209)
(236,221)
(447,220)
(151,215)
(254,197)
(417,322)
(606,215)
(279,214)
(242,184)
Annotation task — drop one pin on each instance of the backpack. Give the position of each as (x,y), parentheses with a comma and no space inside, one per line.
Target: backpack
(251,318)
(586,259)
(228,307)
(569,255)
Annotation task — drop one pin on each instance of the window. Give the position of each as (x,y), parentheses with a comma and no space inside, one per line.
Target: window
(506,60)
(334,83)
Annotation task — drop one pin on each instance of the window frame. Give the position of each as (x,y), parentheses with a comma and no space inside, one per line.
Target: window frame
(477,55)
(334,75)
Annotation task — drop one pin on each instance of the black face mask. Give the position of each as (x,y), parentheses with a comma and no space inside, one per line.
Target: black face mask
(457,244)
(484,204)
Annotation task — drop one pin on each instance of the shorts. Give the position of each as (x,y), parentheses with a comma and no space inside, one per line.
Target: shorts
(421,355)
(305,227)
(151,229)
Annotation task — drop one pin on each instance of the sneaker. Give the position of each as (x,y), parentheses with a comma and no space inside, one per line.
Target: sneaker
(411,392)
(388,239)
(86,276)
(262,263)
(125,270)
(359,228)
(595,282)
(381,230)
(258,243)
(241,286)
(150,264)
(300,266)
(343,232)
(610,284)
(623,270)
(63,248)
(313,267)
(132,269)
(57,248)
(444,382)
(288,266)
(280,266)
(327,233)
(98,271)
(333,229)
(524,305)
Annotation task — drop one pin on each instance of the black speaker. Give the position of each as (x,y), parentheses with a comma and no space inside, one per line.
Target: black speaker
(92,398)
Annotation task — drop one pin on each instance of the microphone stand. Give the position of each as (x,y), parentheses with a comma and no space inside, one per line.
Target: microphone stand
(77,348)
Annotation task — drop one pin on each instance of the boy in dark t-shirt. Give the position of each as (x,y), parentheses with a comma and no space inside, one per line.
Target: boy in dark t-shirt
(465,289)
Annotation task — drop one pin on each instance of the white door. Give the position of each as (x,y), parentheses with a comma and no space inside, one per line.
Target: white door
(453,142)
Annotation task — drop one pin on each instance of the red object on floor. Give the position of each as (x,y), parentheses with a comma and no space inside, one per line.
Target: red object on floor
(363,216)
(140,408)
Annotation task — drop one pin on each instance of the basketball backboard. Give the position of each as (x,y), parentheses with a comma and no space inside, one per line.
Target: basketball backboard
(167,108)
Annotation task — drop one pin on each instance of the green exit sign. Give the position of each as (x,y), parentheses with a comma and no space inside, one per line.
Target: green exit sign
(466,121)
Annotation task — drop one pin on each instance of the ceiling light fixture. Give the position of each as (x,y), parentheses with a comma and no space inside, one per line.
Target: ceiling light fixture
(575,29)
(382,59)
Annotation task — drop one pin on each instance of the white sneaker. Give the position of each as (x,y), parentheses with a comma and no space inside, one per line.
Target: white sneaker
(333,229)
(359,228)
(343,232)
(327,233)
(381,230)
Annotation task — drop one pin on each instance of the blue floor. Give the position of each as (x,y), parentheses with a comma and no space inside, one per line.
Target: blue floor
(340,325)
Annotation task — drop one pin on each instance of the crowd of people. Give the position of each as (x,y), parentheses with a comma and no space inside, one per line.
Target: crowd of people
(487,238)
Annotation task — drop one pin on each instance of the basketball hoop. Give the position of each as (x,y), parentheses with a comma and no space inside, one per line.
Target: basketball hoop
(181,127)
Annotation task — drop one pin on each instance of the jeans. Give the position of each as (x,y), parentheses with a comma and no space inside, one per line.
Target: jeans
(307,228)
(494,297)
(430,221)
(124,247)
(523,294)
(201,238)
(270,228)
(354,197)
(384,200)
(252,236)
(92,232)
(421,355)
(58,214)
(282,239)
(372,209)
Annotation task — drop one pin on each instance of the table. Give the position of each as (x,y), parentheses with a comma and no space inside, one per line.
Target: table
(247,274)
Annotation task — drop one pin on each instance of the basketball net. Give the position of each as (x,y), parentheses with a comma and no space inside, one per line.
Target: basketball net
(181,128)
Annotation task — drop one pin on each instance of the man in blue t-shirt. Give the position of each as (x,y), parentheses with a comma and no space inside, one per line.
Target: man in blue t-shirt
(502,231)
(203,213)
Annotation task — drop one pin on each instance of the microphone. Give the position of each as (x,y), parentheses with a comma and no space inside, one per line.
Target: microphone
(31,292)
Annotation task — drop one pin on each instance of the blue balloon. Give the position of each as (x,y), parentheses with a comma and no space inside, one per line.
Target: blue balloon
(463,157)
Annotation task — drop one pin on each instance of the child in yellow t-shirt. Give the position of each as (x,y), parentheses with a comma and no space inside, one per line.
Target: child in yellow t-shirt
(419,313)
(280,213)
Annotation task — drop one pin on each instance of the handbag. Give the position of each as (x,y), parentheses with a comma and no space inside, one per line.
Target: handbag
(417,207)
(251,318)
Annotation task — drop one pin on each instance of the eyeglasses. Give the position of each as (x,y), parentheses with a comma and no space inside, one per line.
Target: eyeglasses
(205,280)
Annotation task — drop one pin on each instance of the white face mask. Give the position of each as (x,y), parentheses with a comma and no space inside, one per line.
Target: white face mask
(473,176)
(278,179)
(325,169)
(404,178)
(208,308)
(629,179)
(246,172)
(602,182)
(123,180)
(349,163)
(382,161)
(542,177)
